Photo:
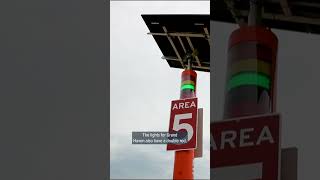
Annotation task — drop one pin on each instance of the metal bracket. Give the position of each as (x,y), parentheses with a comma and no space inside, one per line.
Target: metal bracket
(190,57)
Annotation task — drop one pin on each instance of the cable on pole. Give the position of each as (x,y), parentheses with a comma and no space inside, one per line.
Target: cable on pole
(236,14)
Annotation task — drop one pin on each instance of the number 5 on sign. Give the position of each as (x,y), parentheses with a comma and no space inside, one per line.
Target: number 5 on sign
(177,126)
(183,117)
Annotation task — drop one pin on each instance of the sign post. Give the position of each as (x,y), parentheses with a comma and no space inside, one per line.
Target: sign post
(183,160)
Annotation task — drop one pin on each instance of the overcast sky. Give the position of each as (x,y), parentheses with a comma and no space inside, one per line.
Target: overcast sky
(142,88)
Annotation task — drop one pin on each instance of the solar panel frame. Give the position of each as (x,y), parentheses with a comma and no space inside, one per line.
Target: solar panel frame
(179,34)
(292,15)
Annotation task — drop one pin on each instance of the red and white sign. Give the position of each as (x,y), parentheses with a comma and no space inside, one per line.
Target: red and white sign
(183,117)
(246,148)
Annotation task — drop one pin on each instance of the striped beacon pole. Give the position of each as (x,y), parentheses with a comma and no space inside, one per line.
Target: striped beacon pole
(183,162)
(251,73)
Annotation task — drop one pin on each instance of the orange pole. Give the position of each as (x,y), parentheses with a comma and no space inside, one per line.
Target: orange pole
(183,161)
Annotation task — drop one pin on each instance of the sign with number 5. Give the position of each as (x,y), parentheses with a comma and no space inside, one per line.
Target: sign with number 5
(183,117)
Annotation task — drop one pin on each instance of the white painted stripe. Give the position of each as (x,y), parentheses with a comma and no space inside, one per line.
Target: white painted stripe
(241,172)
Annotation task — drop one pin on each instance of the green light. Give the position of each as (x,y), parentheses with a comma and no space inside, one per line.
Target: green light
(187,86)
(249,79)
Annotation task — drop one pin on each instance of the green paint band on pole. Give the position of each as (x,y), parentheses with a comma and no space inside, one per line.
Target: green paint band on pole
(187,86)
(248,79)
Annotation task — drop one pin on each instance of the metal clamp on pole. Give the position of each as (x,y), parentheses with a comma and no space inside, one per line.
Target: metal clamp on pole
(189,58)
(188,61)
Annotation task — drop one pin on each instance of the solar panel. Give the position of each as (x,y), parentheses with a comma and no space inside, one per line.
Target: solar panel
(177,35)
(292,15)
